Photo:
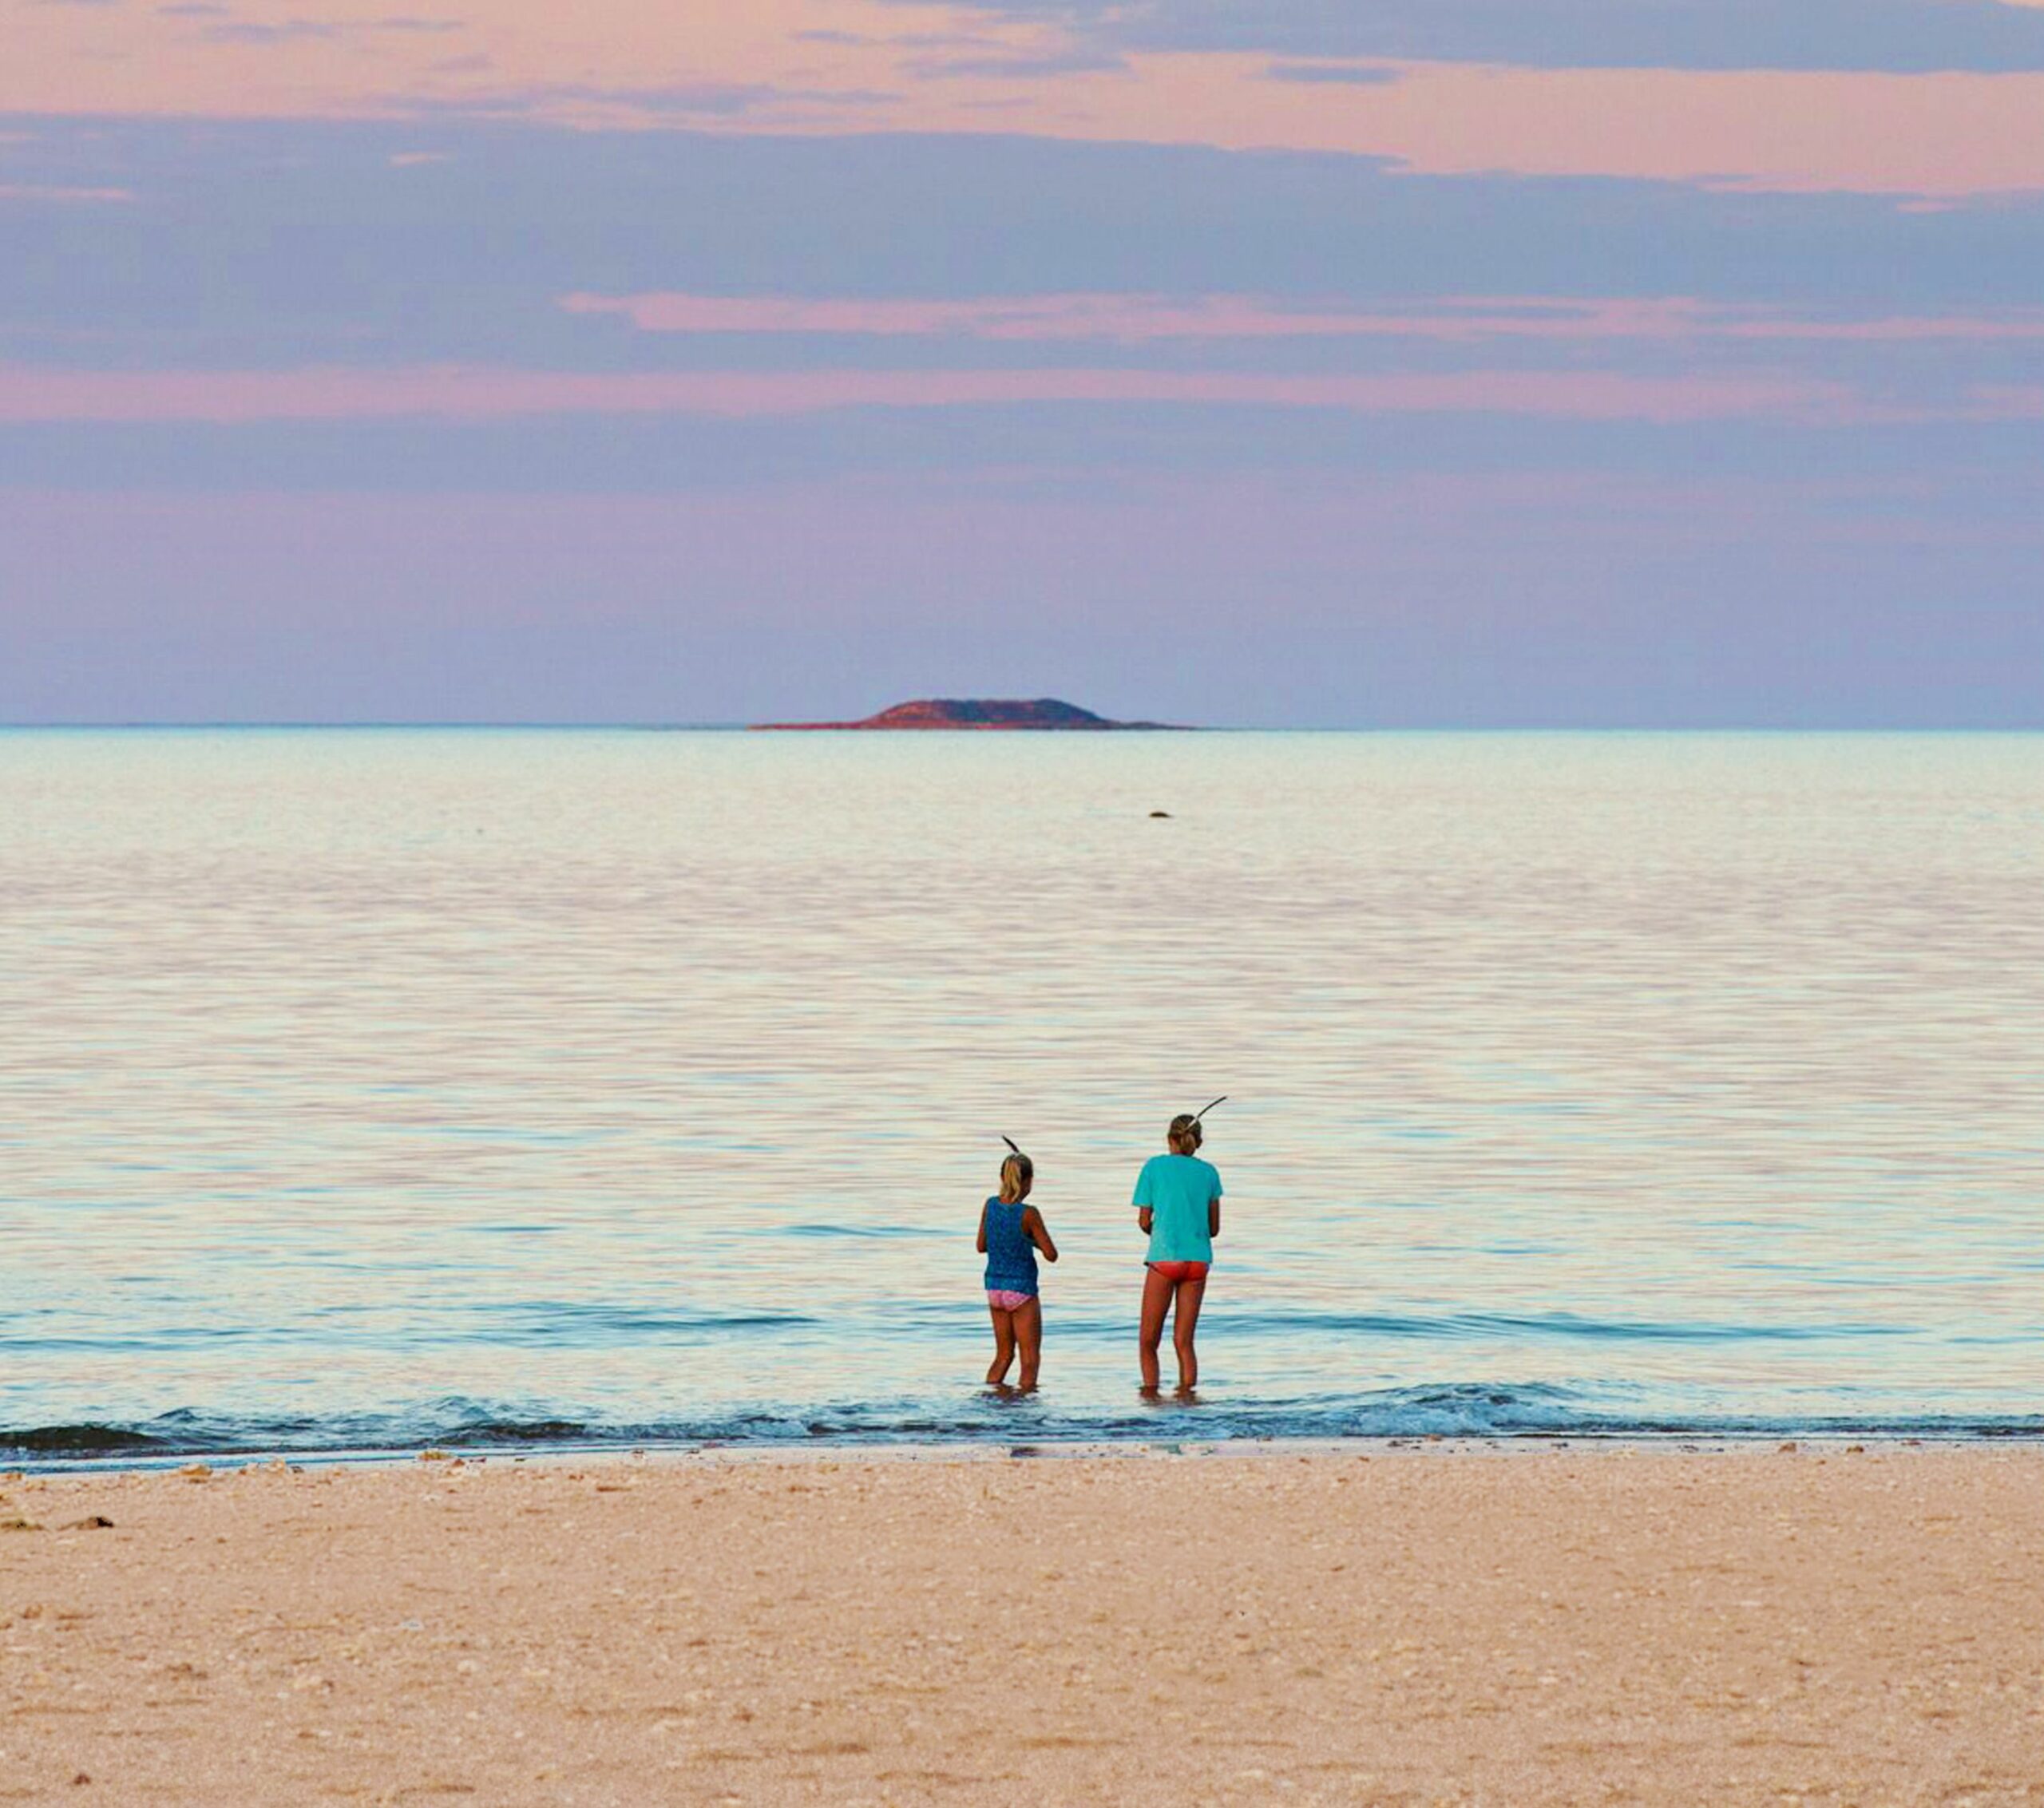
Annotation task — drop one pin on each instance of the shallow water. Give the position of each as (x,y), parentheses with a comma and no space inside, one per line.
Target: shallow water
(361,1088)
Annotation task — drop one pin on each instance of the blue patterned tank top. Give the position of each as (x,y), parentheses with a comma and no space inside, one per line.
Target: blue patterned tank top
(1011,1256)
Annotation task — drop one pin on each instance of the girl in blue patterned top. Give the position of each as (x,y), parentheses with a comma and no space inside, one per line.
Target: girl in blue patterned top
(1010,1233)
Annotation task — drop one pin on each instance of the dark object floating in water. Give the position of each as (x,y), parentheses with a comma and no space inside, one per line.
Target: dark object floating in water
(980,713)
(1164,816)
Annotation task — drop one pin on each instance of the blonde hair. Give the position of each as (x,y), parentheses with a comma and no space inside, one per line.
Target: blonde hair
(1018,1174)
(1185,1135)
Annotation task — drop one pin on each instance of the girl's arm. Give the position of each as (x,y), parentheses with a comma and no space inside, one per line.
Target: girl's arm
(981,1245)
(1214,1217)
(1039,1232)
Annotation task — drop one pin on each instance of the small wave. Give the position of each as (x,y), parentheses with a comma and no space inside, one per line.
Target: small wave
(1462,1411)
(461,1421)
(1568,1324)
(514,1431)
(1460,1327)
(861,1231)
(77,1441)
(548,1322)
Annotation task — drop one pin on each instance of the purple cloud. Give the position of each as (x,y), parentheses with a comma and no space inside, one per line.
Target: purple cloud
(1021,65)
(1905,36)
(1357,75)
(249,31)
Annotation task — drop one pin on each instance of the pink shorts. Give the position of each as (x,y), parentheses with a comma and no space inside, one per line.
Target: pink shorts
(1003,1300)
(1176,1272)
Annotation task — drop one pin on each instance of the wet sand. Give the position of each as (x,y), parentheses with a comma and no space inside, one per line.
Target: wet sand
(1443,1624)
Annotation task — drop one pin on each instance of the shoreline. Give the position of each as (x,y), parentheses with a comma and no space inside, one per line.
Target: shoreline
(1468,1622)
(988,1448)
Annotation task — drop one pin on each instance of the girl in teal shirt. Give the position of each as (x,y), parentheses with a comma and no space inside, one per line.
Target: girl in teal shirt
(1177,1207)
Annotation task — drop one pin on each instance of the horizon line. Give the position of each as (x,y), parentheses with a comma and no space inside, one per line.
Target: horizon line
(372,724)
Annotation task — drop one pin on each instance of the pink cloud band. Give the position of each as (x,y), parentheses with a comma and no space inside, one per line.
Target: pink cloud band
(43,191)
(1137,318)
(471,393)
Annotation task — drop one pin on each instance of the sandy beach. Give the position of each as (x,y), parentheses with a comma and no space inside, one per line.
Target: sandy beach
(1420,1625)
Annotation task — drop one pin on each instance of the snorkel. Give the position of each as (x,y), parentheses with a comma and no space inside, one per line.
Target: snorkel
(1187,1132)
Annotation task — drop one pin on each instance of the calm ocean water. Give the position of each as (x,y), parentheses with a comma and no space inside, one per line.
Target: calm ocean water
(362,1089)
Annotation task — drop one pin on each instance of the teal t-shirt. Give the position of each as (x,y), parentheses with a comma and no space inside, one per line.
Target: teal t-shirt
(1177,1188)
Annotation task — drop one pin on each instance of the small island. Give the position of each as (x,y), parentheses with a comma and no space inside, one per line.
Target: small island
(976,713)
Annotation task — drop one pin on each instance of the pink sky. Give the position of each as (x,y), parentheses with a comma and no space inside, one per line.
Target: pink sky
(714,65)
(952,329)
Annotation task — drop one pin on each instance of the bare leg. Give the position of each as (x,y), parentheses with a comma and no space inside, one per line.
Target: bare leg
(1185,1321)
(1028,1323)
(1004,1345)
(1156,1297)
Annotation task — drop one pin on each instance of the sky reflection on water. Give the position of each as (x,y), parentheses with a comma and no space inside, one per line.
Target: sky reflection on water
(644,1079)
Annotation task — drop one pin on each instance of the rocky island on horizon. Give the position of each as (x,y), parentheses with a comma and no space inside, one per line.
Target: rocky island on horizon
(975,712)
